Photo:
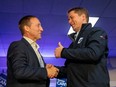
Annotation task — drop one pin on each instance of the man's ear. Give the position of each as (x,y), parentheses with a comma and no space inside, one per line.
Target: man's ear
(83,17)
(26,28)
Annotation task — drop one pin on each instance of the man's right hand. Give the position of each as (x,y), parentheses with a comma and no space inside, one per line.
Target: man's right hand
(52,71)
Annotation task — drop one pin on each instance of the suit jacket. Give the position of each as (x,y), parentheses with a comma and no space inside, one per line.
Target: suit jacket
(86,59)
(23,66)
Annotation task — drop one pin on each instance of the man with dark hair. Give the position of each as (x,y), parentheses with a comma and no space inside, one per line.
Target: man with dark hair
(26,67)
(86,57)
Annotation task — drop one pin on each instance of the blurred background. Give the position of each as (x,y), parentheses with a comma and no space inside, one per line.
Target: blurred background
(53,16)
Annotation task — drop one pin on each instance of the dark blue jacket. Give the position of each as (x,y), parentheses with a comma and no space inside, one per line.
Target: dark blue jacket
(23,67)
(86,59)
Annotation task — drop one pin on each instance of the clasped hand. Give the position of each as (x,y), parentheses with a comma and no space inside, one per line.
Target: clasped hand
(52,71)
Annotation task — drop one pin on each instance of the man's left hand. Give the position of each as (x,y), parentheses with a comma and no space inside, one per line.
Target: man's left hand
(58,50)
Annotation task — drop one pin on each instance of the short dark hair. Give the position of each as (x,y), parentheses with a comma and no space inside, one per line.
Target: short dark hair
(25,21)
(80,11)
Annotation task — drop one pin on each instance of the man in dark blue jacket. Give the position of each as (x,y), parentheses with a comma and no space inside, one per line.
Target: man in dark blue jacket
(86,57)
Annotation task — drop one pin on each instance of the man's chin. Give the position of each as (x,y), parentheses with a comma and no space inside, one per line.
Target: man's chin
(74,29)
(39,38)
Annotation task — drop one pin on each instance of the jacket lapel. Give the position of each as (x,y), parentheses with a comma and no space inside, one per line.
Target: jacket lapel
(80,35)
(31,49)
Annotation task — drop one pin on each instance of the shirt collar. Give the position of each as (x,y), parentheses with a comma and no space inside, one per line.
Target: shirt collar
(31,42)
(77,33)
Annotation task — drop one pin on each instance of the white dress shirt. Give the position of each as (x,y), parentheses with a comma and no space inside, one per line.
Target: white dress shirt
(35,47)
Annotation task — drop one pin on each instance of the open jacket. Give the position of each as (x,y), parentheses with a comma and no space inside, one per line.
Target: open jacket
(23,66)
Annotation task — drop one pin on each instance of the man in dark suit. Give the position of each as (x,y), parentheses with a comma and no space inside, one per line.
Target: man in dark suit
(26,67)
(86,57)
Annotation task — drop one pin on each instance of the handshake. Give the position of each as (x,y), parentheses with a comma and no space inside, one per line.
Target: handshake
(52,71)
